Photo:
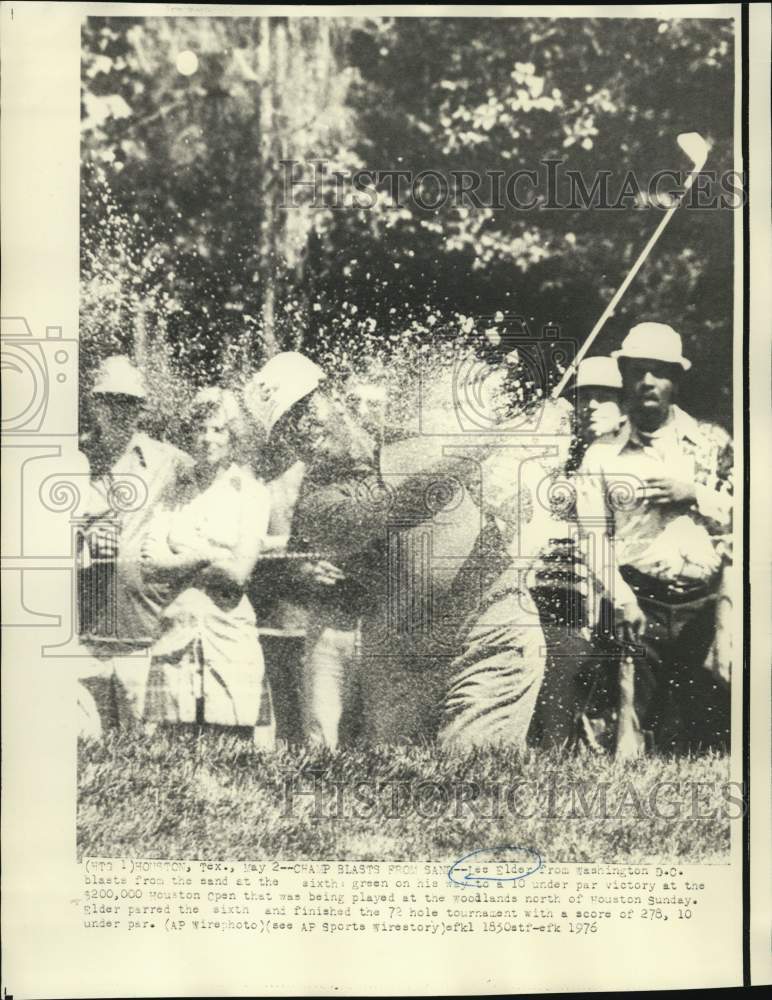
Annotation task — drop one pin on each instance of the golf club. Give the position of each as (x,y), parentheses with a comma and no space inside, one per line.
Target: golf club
(696,148)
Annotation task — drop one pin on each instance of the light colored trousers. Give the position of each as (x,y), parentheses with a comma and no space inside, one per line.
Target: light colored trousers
(111,687)
(329,678)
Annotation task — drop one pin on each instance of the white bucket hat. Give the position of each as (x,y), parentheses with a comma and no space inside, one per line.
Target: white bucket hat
(118,375)
(655,342)
(283,380)
(598,371)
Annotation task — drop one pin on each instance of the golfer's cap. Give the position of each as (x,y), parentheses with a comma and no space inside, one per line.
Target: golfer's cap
(119,376)
(598,372)
(654,342)
(283,380)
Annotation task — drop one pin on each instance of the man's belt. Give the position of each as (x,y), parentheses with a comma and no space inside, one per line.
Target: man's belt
(668,591)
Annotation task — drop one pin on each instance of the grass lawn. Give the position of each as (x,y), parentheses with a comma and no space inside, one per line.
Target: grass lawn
(212,796)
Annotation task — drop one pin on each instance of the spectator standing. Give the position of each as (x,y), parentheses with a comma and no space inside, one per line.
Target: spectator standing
(660,495)
(579,689)
(314,427)
(120,608)
(207,663)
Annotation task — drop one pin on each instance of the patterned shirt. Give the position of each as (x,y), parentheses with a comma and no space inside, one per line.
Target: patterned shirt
(674,542)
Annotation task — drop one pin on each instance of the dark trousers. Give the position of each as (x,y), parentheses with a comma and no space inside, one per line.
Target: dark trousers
(683,705)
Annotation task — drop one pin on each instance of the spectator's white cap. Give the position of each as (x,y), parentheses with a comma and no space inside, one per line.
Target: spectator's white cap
(283,380)
(655,342)
(118,375)
(598,372)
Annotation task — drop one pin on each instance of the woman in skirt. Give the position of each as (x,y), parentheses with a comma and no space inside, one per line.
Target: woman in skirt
(207,664)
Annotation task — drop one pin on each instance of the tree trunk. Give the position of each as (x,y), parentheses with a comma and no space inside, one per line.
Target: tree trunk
(266,248)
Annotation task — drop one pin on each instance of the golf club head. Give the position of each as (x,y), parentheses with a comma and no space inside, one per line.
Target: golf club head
(695,147)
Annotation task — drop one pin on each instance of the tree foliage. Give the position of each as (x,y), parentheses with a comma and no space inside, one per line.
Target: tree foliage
(211,262)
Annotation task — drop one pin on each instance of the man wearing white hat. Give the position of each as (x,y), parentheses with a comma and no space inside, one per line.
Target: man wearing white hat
(660,495)
(309,425)
(283,381)
(129,472)
(561,575)
(598,398)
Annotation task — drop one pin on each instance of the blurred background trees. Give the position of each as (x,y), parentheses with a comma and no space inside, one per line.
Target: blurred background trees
(191,256)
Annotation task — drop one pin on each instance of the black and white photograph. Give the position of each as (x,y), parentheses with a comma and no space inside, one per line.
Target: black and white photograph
(406,417)
(385,553)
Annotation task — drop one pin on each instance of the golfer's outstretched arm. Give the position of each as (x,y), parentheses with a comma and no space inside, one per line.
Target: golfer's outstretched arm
(407,463)
(351,513)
